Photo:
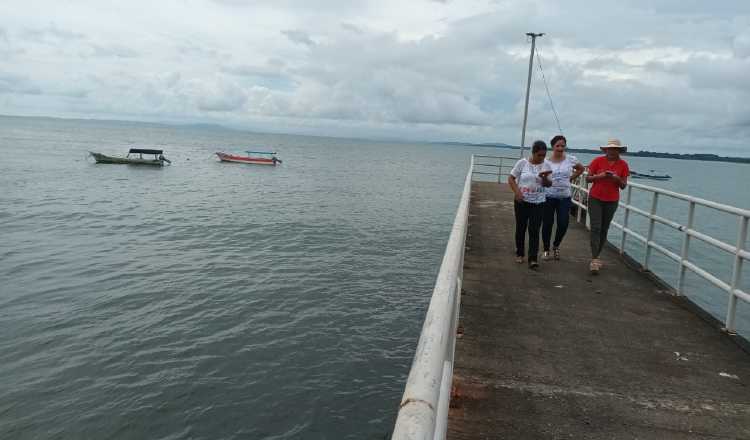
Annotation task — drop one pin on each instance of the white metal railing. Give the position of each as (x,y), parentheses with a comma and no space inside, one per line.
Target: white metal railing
(501,168)
(688,233)
(732,287)
(423,413)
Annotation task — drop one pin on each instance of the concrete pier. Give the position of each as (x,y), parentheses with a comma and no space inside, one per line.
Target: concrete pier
(558,353)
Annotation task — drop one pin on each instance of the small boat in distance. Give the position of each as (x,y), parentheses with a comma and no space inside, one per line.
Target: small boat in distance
(637,175)
(158,159)
(253,157)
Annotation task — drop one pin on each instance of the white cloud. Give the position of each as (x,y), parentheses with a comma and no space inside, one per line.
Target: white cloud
(741,45)
(15,84)
(299,37)
(669,75)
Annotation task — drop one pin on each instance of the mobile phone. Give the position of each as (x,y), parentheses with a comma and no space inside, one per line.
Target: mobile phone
(608,172)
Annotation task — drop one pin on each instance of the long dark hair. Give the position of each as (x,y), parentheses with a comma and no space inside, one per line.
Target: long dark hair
(538,146)
(554,140)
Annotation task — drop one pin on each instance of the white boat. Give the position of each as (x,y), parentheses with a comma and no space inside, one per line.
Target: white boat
(158,159)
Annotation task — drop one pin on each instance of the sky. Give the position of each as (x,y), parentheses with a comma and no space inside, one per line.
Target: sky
(661,75)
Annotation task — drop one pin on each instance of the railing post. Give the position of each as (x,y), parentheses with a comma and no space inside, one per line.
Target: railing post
(651,223)
(685,249)
(625,220)
(736,275)
(446,383)
(588,198)
(579,193)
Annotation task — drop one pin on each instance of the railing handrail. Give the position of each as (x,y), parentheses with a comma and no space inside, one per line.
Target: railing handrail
(738,250)
(423,413)
(688,198)
(708,203)
(496,157)
(502,167)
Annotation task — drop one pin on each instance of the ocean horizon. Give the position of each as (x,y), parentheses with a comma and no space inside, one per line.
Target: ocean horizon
(210,300)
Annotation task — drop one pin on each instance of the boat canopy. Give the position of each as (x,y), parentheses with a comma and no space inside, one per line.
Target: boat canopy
(260,152)
(144,151)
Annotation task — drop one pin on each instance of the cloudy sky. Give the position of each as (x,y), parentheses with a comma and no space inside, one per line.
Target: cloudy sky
(665,75)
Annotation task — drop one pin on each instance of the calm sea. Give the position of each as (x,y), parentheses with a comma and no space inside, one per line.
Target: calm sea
(219,301)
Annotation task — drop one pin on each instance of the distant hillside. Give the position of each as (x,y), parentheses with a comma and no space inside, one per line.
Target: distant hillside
(489,145)
(694,156)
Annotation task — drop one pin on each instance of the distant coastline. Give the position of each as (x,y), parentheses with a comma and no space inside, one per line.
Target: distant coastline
(709,157)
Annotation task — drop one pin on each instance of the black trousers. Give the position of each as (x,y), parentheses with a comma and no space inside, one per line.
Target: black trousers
(600,215)
(528,216)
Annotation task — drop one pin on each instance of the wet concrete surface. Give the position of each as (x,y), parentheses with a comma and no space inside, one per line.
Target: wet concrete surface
(559,353)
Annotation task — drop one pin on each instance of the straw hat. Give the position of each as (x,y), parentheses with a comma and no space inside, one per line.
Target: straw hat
(614,143)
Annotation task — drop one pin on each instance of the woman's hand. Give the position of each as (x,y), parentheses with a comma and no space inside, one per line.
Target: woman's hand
(544,175)
(595,177)
(578,169)
(618,180)
(612,176)
(514,186)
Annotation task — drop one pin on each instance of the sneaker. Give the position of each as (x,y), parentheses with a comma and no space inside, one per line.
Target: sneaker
(545,255)
(519,260)
(556,253)
(533,264)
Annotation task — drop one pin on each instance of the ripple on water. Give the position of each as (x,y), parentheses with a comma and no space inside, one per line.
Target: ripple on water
(210,301)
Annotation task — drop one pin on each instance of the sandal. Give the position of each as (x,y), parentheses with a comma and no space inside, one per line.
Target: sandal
(594,266)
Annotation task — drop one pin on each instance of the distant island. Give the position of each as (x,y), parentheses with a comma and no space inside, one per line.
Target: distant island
(690,156)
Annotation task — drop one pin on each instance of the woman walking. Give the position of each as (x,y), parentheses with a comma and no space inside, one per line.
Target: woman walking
(608,175)
(565,168)
(527,179)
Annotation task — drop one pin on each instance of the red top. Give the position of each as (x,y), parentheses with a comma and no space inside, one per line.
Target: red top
(607,190)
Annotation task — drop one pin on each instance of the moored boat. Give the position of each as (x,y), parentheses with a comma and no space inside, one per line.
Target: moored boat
(253,157)
(158,159)
(637,175)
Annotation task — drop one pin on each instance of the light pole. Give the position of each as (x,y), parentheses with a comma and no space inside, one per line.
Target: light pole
(528,88)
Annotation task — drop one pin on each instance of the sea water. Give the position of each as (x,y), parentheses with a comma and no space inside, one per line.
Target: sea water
(212,300)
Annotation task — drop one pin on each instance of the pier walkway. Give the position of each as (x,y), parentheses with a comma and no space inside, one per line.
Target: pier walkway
(558,353)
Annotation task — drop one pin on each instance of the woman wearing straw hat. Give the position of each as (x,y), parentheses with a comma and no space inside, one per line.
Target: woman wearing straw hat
(527,179)
(608,175)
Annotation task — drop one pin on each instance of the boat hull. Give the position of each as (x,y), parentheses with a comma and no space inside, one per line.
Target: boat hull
(245,159)
(636,175)
(103,158)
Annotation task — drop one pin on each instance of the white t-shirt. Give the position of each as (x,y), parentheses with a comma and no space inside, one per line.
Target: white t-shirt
(561,172)
(528,180)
